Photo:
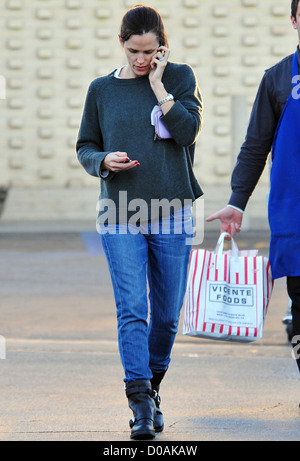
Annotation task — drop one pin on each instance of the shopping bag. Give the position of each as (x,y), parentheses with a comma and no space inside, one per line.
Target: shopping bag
(227,294)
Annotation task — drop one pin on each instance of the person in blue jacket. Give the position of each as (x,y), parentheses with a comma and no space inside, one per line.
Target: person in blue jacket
(274,126)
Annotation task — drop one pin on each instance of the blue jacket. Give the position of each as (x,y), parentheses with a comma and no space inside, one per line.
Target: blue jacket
(272,95)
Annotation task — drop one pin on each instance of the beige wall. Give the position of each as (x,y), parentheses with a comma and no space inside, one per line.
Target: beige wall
(52,49)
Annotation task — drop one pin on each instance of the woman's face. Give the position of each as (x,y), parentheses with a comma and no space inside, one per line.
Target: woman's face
(139,50)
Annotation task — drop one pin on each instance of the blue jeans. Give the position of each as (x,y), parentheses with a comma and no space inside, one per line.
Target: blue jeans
(161,259)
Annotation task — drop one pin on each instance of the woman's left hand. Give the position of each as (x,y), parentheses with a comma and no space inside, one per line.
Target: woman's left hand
(158,64)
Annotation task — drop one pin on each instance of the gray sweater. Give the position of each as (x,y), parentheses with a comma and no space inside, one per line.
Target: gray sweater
(116,117)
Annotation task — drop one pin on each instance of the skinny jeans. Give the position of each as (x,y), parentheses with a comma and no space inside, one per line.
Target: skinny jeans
(148,267)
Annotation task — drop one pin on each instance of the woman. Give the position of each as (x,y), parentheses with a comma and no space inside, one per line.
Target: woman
(147,188)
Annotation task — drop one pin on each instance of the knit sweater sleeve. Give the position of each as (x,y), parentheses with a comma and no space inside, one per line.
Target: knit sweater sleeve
(89,145)
(184,120)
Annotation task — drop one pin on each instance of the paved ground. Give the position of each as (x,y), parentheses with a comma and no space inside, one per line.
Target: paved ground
(62,378)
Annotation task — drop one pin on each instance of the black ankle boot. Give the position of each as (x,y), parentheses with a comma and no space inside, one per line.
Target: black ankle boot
(155,382)
(140,401)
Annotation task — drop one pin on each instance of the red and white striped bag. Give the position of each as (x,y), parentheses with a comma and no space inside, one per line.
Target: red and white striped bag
(227,293)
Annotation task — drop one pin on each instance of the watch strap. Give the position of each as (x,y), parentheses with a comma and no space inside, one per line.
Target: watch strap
(169,97)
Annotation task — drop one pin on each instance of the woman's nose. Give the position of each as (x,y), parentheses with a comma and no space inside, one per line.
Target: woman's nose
(140,58)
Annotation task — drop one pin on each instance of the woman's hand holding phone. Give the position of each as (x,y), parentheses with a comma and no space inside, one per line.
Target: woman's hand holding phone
(158,64)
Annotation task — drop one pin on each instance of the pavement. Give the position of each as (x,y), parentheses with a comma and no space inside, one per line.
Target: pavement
(62,380)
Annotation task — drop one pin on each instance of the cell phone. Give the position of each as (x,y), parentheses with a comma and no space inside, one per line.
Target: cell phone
(161,54)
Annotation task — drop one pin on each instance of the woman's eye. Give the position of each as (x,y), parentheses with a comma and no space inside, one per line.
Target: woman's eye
(146,52)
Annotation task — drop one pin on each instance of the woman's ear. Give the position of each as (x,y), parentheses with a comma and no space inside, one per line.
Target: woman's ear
(121,41)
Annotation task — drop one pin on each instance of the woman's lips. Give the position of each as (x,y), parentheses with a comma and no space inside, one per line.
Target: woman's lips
(141,68)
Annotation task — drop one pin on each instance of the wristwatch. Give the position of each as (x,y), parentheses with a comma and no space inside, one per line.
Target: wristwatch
(169,97)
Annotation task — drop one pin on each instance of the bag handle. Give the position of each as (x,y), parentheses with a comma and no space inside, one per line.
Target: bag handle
(220,245)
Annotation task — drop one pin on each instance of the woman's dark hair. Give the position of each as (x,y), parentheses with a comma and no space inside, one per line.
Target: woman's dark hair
(294,7)
(140,20)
